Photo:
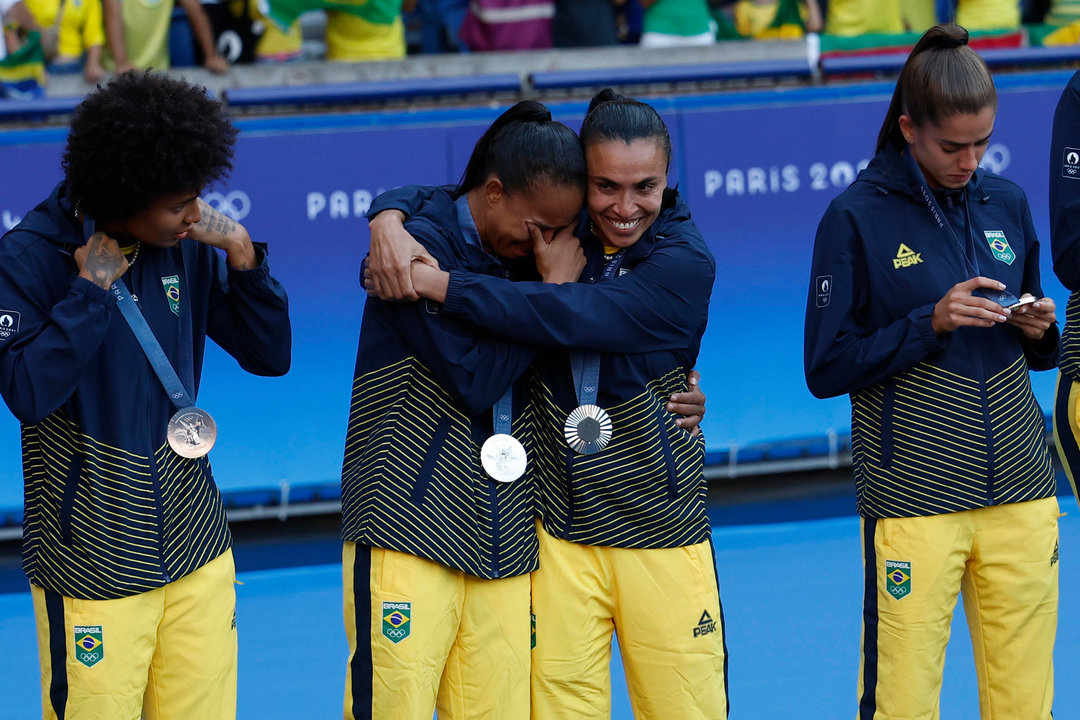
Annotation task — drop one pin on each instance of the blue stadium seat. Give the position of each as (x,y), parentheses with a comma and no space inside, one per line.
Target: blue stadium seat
(668,74)
(861,64)
(37,108)
(11,516)
(337,93)
(234,499)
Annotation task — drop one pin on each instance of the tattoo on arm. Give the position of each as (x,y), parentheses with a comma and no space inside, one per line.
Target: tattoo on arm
(217,222)
(101,262)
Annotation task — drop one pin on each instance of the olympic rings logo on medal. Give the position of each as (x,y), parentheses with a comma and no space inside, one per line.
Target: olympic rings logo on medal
(236,203)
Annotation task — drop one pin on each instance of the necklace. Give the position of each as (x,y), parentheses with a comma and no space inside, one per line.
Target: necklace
(135,255)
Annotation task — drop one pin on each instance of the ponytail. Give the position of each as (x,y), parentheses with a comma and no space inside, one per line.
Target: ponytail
(942,77)
(524,147)
(615,117)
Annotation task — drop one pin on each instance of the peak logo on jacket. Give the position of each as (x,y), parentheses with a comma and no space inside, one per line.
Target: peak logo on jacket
(906,257)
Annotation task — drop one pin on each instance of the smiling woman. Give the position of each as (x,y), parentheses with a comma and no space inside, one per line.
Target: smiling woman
(624,543)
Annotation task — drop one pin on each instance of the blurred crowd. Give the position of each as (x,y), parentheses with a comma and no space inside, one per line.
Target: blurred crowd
(98,36)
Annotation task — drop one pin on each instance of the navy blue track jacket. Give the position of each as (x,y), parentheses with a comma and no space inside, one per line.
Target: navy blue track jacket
(939,423)
(424,387)
(1065,218)
(647,488)
(111,510)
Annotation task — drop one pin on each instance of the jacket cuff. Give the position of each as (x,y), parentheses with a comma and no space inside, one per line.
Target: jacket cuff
(455,293)
(923,317)
(93,293)
(1043,353)
(257,274)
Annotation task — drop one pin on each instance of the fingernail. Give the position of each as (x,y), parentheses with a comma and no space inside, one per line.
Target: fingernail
(669,407)
(1001,318)
(1001,286)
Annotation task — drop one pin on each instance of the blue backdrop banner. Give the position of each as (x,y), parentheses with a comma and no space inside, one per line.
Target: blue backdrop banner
(758,168)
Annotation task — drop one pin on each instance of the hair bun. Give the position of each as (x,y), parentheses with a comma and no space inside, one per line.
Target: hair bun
(947,36)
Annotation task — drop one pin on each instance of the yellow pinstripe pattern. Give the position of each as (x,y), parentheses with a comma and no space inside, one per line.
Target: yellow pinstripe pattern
(412,479)
(94,514)
(1069,362)
(644,490)
(919,443)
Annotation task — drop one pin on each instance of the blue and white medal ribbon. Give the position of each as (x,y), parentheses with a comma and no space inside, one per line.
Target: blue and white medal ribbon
(502,455)
(588,427)
(191,432)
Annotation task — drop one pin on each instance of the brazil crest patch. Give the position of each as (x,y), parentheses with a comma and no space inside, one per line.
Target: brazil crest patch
(172,292)
(1000,246)
(898,578)
(396,621)
(89,644)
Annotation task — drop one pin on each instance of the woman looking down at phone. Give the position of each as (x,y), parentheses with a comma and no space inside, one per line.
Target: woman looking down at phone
(953,478)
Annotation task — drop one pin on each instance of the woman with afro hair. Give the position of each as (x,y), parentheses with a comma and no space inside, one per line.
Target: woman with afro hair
(125,541)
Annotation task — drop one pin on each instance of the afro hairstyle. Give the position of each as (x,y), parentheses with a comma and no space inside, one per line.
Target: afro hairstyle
(143,136)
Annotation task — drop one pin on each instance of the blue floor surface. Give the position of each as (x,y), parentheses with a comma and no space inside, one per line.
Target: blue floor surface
(791,597)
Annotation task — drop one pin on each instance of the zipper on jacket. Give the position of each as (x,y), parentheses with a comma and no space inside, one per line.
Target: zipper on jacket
(67,503)
(669,456)
(888,402)
(984,396)
(155,478)
(495,527)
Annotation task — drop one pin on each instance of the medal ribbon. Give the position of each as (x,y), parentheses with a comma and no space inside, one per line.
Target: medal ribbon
(586,365)
(178,394)
(502,413)
(968,248)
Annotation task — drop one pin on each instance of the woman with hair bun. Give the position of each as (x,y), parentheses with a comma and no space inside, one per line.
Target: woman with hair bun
(625,542)
(437,506)
(925,306)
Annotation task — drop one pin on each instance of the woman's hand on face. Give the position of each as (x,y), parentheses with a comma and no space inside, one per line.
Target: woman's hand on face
(959,308)
(1035,318)
(561,260)
(392,252)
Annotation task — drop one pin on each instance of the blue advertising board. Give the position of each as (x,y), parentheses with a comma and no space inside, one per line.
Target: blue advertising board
(759,169)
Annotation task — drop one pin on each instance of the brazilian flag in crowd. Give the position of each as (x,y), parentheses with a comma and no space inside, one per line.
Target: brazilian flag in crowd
(285,12)
(22,72)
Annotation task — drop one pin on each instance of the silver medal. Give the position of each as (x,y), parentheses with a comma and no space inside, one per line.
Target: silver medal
(503,457)
(587,429)
(192,432)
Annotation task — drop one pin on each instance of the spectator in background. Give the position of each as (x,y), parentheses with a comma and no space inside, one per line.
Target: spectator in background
(372,30)
(275,45)
(777,19)
(1063,12)
(435,25)
(508,25)
(670,23)
(860,17)
(75,31)
(988,14)
(137,32)
(586,23)
(15,17)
